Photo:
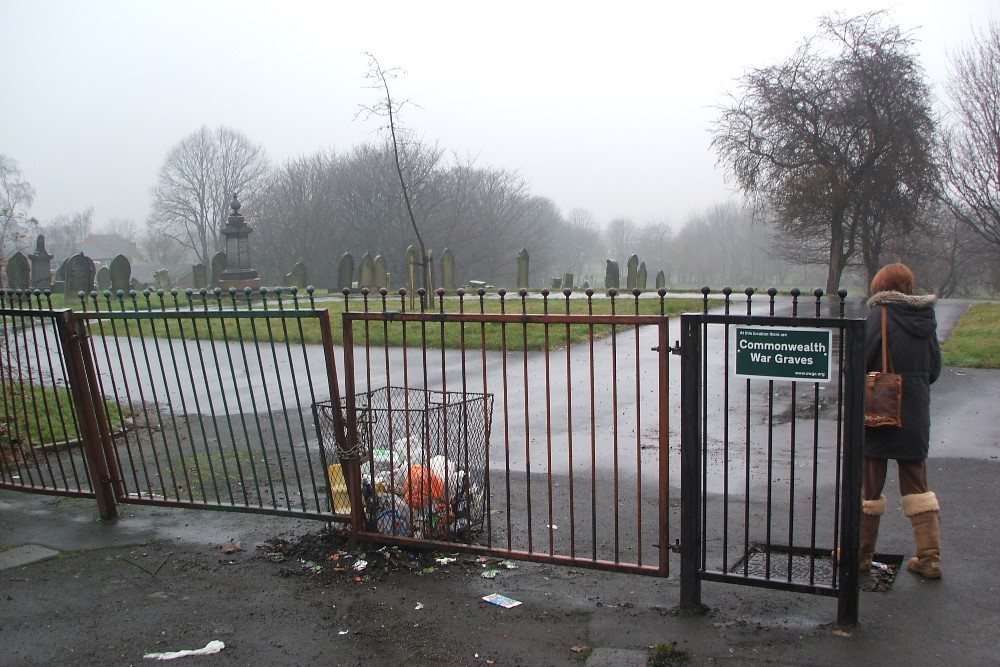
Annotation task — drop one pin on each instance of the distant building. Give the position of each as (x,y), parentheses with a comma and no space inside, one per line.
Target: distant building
(103,248)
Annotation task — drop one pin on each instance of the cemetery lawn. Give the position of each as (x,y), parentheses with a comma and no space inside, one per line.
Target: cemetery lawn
(216,326)
(45,416)
(975,341)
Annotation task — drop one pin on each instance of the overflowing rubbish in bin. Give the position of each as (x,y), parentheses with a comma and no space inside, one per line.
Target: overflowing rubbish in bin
(423,457)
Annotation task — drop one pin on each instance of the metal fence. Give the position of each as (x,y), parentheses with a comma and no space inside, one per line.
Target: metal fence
(554,443)
(771,468)
(531,426)
(197,399)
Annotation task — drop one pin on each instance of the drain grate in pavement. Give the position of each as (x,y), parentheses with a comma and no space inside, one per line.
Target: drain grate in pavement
(808,566)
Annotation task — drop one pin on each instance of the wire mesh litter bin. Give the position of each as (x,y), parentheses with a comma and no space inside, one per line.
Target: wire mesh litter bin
(423,459)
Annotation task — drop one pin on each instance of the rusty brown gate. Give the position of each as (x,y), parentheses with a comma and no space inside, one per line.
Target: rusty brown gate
(532,427)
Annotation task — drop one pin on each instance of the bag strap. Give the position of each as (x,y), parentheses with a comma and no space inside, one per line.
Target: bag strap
(886,357)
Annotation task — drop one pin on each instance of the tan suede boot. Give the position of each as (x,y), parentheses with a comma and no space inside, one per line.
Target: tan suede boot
(871,515)
(923,511)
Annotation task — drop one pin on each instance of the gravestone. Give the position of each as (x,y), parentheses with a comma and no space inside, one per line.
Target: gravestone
(79,275)
(162,279)
(199,276)
(381,273)
(411,270)
(41,265)
(103,279)
(567,281)
(448,270)
(522,269)
(661,280)
(631,279)
(136,285)
(18,272)
(555,283)
(366,276)
(299,277)
(59,284)
(121,274)
(431,273)
(611,275)
(219,264)
(345,272)
(640,279)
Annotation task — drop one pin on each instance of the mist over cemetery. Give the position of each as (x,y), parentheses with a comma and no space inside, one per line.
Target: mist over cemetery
(823,203)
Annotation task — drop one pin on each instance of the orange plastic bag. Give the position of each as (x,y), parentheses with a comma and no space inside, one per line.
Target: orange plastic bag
(422,487)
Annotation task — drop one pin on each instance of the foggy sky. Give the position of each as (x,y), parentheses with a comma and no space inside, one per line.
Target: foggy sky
(605,108)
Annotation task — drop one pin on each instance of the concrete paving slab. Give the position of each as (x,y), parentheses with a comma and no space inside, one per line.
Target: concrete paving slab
(616,657)
(25,555)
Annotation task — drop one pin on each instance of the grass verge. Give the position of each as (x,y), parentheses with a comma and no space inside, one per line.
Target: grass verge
(975,341)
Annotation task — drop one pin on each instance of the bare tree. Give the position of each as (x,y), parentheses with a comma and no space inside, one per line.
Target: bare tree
(160,250)
(16,195)
(198,179)
(64,233)
(835,145)
(123,227)
(389,109)
(621,235)
(972,146)
(298,220)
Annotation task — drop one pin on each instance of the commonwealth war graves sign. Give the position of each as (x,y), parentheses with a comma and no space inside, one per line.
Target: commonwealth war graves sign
(773,353)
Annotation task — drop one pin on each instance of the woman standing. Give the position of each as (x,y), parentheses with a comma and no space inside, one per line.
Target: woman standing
(916,355)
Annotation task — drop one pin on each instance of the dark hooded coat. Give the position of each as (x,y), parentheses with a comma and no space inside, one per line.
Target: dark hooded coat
(916,355)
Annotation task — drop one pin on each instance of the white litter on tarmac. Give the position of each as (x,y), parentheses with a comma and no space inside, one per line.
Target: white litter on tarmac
(213,646)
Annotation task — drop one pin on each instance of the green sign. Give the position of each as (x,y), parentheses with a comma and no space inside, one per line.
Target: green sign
(800,353)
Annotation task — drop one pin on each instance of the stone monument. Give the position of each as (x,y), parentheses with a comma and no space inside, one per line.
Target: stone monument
(121,274)
(18,272)
(239,272)
(41,265)
(448,270)
(522,269)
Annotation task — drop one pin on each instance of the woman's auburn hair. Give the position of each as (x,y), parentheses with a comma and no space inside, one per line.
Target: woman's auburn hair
(895,277)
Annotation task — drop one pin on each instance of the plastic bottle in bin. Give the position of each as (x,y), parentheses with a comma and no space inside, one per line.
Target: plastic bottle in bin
(392,517)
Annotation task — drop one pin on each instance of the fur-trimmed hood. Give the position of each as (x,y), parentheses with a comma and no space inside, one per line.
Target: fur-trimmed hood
(907,301)
(912,313)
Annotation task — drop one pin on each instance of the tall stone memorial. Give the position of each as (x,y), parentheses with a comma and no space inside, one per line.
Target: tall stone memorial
(522,269)
(641,277)
(239,272)
(41,265)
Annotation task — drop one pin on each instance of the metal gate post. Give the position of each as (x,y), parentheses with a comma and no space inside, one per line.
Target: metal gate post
(690,463)
(351,464)
(854,433)
(89,411)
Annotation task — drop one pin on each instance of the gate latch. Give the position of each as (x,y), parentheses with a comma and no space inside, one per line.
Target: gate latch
(676,349)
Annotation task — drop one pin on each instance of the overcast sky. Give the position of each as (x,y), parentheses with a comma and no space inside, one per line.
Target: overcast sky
(606,109)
